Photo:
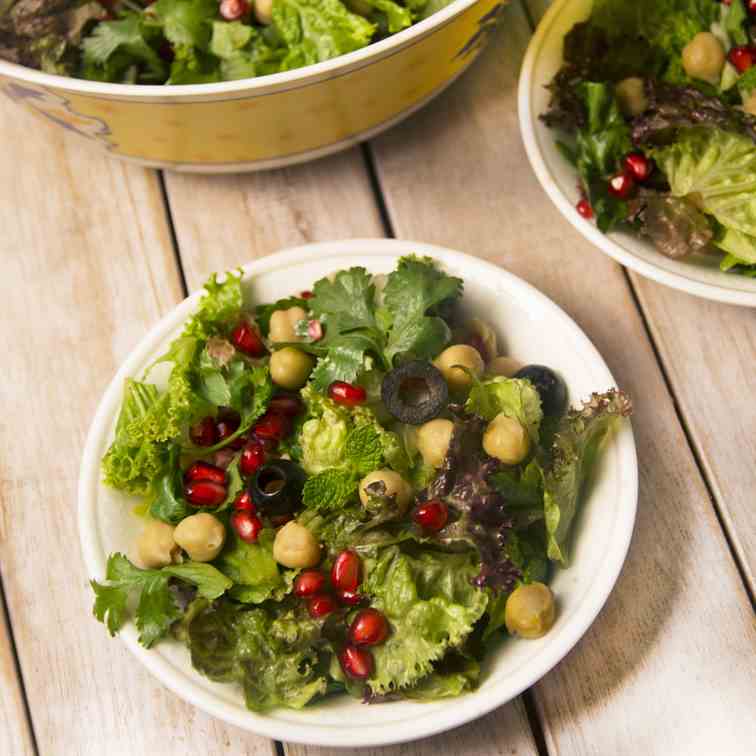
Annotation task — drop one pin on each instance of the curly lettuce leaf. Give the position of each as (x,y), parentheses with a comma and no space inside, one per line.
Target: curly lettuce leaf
(133,463)
(512,397)
(453,676)
(255,574)
(573,453)
(317,30)
(271,652)
(156,609)
(431,605)
(718,168)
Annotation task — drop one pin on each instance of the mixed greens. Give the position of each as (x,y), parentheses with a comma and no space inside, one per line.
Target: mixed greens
(348,490)
(656,100)
(194,41)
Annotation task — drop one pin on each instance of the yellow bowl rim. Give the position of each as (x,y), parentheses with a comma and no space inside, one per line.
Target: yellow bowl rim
(271,81)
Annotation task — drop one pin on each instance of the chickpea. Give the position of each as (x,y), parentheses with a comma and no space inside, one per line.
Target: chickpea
(283,323)
(631,94)
(704,58)
(460,354)
(201,536)
(156,547)
(295,546)
(750,103)
(506,440)
(395,485)
(529,611)
(484,333)
(433,439)
(264,11)
(290,367)
(504,366)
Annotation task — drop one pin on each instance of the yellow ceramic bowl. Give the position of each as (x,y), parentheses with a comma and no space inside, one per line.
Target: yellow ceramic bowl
(269,121)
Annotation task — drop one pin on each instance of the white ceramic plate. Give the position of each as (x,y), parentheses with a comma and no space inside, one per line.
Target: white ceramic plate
(700,275)
(531,327)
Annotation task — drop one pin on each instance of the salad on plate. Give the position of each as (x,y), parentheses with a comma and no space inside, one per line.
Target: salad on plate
(349,490)
(655,104)
(194,41)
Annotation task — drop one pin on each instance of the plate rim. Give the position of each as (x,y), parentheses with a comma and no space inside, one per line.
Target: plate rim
(454,712)
(586,228)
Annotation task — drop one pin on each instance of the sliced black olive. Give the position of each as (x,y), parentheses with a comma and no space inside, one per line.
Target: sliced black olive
(276,487)
(550,387)
(415,392)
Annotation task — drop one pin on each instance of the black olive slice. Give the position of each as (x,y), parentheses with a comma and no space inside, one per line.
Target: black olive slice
(415,392)
(550,387)
(276,487)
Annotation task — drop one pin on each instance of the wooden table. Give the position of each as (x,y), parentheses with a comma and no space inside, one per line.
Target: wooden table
(94,252)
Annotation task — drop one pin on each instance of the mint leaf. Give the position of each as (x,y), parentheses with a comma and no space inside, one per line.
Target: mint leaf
(364,449)
(329,490)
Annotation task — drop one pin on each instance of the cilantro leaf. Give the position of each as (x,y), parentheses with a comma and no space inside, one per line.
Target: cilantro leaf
(412,290)
(347,302)
(186,22)
(156,608)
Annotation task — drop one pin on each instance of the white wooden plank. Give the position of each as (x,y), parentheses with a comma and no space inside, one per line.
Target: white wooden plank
(222,221)
(88,268)
(668,666)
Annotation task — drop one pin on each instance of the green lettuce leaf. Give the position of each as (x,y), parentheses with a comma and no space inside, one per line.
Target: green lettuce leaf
(735,17)
(431,605)
(513,397)
(156,609)
(271,652)
(317,30)
(573,454)
(452,677)
(255,574)
(719,169)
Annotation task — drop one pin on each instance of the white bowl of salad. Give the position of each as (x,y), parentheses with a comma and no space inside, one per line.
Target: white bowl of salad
(353,478)
(639,121)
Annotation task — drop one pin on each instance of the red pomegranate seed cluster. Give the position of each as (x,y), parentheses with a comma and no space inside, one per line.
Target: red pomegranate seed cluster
(247,339)
(233,10)
(636,168)
(742,57)
(245,522)
(204,485)
(369,626)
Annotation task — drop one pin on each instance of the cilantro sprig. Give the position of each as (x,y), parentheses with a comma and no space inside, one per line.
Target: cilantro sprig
(156,608)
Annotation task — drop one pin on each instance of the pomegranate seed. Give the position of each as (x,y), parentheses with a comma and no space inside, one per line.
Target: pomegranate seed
(272,426)
(346,393)
(584,209)
(306,295)
(204,433)
(205,471)
(309,583)
(638,166)
(432,515)
(314,330)
(252,457)
(621,186)
(356,662)
(345,573)
(286,404)
(751,4)
(233,10)
(227,424)
(204,493)
(246,339)
(223,457)
(246,525)
(243,503)
(321,605)
(741,58)
(350,598)
(369,628)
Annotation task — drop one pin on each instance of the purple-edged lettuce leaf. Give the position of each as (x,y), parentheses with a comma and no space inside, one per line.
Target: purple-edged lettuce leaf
(572,455)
